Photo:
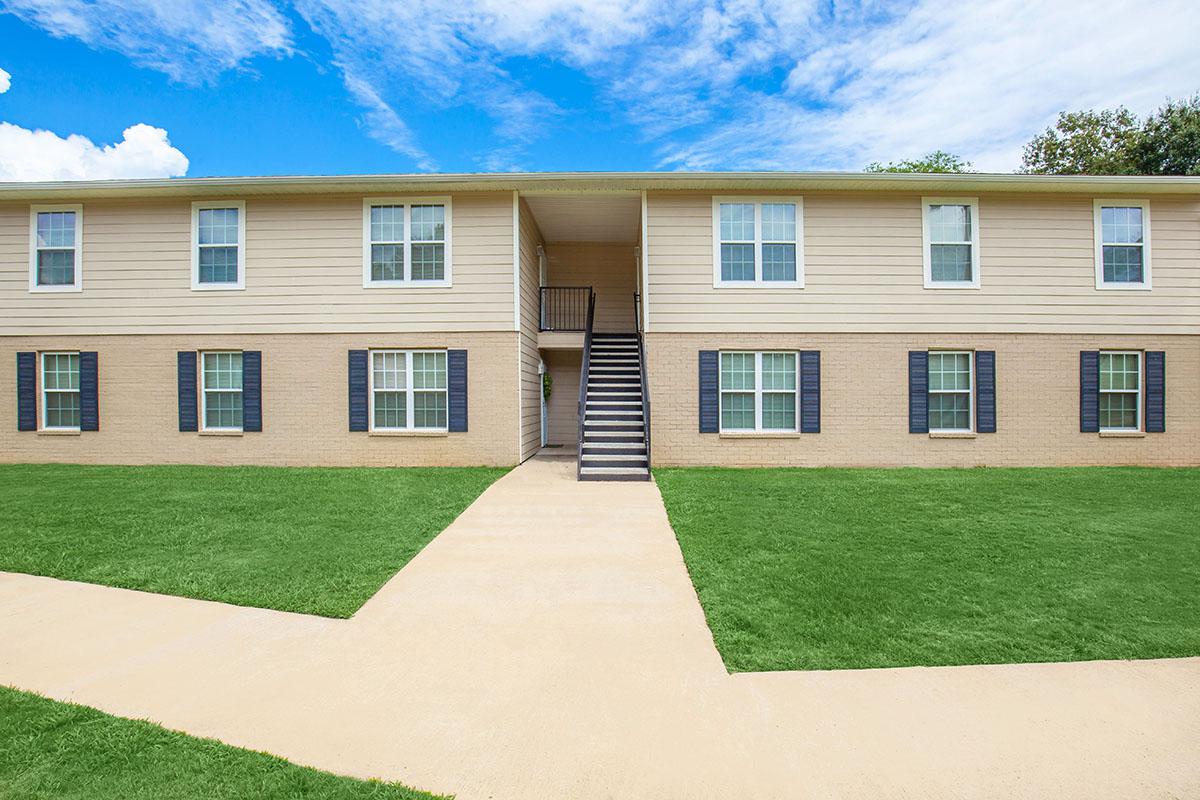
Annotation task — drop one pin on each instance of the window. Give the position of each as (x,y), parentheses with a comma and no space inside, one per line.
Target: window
(408,390)
(56,248)
(758,241)
(951,240)
(950,392)
(218,250)
(406,242)
(221,391)
(1120,391)
(1122,229)
(759,391)
(60,391)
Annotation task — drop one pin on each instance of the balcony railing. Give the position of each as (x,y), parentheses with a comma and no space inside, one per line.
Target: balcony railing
(564,308)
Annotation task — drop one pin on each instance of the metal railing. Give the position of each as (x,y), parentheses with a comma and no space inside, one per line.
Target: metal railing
(641,341)
(564,308)
(584,366)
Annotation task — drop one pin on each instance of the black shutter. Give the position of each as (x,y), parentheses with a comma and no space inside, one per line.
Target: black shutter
(89,391)
(358,390)
(252,390)
(456,383)
(1156,391)
(985,391)
(1089,391)
(918,391)
(810,391)
(187,390)
(710,391)
(27,391)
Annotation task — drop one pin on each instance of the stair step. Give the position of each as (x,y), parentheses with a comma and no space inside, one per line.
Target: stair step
(605,474)
(597,449)
(595,427)
(632,391)
(614,461)
(618,437)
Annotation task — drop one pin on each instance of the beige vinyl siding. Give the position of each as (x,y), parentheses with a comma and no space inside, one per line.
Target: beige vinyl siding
(531,410)
(611,271)
(303,272)
(863,270)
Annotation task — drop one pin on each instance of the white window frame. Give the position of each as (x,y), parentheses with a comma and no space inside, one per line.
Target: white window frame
(409,390)
(970,354)
(758,393)
(408,202)
(1140,407)
(43,391)
(204,426)
(1098,234)
(927,242)
(77,286)
(240,284)
(758,282)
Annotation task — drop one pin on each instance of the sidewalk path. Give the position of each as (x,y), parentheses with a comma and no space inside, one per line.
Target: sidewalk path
(549,644)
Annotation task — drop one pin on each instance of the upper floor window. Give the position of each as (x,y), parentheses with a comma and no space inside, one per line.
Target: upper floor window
(758,241)
(951,393)
(408,390)
(218,249)
(1122,230)
(221,391)
(951,241)
(56,248)
(406,242)
(759,391)
(1120,391)
(60,391)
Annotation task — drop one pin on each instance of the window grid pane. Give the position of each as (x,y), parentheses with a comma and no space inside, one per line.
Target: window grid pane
(56,229)
(1122,263)
(950,224)
(428,262)
(779,410)
(737,222)
(62,409)
(429,409)
(779,262)
(391,410)
(218,226)
(737,411)
(950,411)
(387,262)
(387,224)
(1118,410)
(218,264)
(1121,225)
(950,262)
(779,222)
(737,371)
(428,223)
(737,262)
(55,267)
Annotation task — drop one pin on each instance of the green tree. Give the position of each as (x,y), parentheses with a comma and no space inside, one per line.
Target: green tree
(1084,143)
(1169,142)
(937,161)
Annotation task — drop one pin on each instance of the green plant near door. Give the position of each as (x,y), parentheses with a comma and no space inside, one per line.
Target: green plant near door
(547,385)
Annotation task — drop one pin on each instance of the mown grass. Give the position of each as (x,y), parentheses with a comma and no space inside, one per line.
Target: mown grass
(850,568)
(317,541)
(69,752)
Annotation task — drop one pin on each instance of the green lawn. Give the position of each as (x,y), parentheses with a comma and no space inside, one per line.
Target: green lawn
(843,568)
(69,752)
(318,541)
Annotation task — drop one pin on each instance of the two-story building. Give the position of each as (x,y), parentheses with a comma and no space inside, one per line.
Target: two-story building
(805,319)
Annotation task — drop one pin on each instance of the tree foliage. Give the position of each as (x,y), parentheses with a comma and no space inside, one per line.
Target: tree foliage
(937,161)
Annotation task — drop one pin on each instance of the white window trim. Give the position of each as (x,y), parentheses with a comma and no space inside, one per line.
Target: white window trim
(408,203)
(197,207)
(970,354)
(1098,235)
(1137,393)
(204,426)
(927,242)
(43,391)
(758,394)
(77,286)
(409,391)
(758,282)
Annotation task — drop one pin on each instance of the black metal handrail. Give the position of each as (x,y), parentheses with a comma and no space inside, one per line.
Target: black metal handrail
(563,308)
(637,315)
(584,365)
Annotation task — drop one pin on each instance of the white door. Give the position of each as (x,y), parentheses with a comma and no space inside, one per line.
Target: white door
(542,398)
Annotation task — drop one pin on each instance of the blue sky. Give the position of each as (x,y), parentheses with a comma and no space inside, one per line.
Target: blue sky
(130,88)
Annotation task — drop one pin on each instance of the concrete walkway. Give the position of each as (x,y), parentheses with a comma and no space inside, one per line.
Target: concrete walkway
(549,644)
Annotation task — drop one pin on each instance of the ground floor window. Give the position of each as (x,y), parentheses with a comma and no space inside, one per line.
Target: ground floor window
(759,391)
(60,391)
(221,391)
(408,390)
(950,390)
(1120,391)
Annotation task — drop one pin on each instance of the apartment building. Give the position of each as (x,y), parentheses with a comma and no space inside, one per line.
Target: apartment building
(801,319)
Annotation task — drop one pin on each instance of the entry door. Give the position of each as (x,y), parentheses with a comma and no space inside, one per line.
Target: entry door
(542,398)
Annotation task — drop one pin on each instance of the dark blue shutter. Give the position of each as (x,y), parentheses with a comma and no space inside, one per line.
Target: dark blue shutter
(918,391)
(985,391)
(252,390)
(810,391)
(456,382)
(187,390)
(1156,391)
(710,405)
(27,391)
(1089,391)
(358,390)
(89,392)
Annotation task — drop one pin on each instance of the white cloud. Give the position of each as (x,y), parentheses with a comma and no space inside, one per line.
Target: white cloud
(190,41)
(5,81)
(143,152)
(383,124)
